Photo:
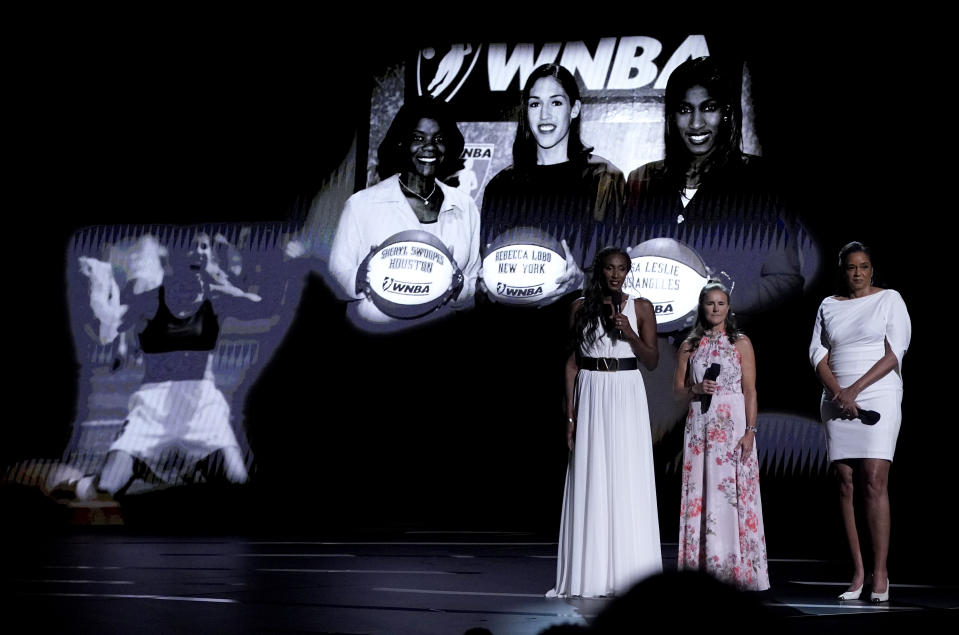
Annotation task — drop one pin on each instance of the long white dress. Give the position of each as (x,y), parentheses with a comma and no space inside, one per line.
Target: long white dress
(853,332)
(609,532)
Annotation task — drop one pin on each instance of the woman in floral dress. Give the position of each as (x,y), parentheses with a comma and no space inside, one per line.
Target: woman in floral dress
(721,523)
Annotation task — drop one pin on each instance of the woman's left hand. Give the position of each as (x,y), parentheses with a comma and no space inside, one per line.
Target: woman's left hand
(570,432)
(845,400)
(745,445)
(621,323)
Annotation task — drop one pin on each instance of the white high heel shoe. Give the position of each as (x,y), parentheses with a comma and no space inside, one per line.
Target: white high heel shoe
(852,595)
(881,597)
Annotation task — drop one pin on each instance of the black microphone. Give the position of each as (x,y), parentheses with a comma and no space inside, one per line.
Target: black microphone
(867,417)
(711,374)
(617,300)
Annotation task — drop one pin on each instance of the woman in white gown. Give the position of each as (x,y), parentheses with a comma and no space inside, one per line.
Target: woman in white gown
(857,347)
(609,532)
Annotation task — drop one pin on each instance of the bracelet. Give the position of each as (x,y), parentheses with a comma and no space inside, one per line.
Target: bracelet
(748,428)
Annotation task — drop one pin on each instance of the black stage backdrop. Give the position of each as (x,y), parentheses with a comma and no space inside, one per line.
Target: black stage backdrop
(237,119)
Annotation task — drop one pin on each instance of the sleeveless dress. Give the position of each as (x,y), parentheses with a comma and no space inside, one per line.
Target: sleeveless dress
(854,333)
(609,529)
(721,520)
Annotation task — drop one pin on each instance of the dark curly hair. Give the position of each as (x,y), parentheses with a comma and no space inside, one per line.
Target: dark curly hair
(393,155)
(584,331)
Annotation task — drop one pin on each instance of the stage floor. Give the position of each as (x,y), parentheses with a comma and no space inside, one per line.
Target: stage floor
(109,580)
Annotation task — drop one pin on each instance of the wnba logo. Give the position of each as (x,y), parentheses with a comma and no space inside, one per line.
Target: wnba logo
(663,308)
(509,291)
(405,288)
(441,74)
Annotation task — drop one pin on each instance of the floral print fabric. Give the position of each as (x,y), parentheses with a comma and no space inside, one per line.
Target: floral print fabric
(721,523)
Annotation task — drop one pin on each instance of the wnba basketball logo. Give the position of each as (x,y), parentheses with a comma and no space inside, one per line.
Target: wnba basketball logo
(507,291)
(405,288)
(440,74)
(663,308)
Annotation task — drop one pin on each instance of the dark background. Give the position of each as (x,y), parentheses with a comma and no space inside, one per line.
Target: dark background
(126,118)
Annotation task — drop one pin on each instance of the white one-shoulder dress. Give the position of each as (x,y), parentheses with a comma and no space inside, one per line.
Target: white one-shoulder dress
(854,332)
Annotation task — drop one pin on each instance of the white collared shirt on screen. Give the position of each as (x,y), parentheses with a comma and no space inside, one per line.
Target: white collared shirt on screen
(378,212)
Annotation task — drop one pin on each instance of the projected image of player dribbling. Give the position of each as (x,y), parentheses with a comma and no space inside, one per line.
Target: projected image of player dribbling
(420,150)
(556,186)
(178,421)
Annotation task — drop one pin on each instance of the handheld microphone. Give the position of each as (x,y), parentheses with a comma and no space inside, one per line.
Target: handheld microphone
(711,374)
(867,417)
(617,299)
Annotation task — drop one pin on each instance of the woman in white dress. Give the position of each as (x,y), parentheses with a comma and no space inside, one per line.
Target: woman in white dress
(857,346)
(609,532)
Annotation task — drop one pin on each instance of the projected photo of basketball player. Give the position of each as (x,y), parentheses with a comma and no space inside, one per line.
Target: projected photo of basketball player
(715,204)
(711,196)
(556,187)
(171,325)
(177,417)
(421,148)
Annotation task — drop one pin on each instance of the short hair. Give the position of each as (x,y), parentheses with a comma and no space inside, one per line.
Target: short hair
(393,153)
(524,146)
(850,248)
